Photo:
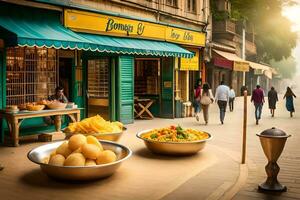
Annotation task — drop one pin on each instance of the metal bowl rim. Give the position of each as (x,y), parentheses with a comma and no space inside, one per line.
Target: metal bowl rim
(84,167)
(270,136)
(138,135)
(116,133)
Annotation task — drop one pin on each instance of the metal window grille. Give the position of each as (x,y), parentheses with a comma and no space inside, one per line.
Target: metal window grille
(172,3)
(98,77)
(31,74)
(191,5)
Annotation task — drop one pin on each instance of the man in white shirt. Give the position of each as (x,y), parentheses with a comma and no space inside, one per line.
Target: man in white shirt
(221,97)
(231,98)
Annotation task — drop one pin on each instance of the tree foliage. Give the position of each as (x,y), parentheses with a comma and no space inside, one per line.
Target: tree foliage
(274,38)
(285,67)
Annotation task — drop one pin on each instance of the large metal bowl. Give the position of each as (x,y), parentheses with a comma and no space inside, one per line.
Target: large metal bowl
(173,148)
(39,154)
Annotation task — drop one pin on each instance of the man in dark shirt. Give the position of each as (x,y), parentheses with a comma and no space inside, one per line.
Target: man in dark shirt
(59,95)
(258,100)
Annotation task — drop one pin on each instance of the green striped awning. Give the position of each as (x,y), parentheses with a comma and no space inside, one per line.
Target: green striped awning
(135,46)
(42,28)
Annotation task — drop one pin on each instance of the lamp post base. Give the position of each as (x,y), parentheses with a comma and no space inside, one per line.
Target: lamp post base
(277,187)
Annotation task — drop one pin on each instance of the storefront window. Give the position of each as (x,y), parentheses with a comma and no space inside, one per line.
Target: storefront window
(172,3)
(146,77)
(31,74)
(98,78)
(191,6)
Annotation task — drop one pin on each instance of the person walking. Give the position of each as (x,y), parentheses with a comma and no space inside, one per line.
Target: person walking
(221,97)
(258,100)
(272,99)
(289,95)
(206,99)
(231,98)
(197,97)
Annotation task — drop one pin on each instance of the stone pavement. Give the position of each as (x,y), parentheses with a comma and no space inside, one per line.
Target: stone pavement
(226,178)
(228,138)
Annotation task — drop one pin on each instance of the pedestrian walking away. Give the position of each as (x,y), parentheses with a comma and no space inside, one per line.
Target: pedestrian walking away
(206,99)
(258,99)
(272,100)
(197,97)
(289,95)
(222,97)
(243,88)
(231,99)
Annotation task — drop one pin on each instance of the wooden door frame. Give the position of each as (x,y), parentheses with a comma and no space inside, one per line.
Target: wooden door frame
(112,95)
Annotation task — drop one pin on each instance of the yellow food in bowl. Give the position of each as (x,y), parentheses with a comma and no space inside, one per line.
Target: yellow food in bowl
(93,125)
(80,151)
(175,134)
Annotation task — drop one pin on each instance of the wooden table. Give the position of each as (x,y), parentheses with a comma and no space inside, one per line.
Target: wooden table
(14,120)
(141,107)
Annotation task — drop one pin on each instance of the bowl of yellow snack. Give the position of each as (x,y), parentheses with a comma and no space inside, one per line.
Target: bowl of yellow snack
(98,127)
(174,140)
(80,158)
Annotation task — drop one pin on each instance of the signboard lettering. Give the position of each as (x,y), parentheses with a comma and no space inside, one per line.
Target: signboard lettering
(117,26)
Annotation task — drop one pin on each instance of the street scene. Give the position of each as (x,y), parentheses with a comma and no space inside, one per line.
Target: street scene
(149,99)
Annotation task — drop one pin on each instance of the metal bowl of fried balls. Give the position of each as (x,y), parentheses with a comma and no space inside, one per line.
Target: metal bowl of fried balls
(80,158)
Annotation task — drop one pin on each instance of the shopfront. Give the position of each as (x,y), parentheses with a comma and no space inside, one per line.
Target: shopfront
(227,67)
(153,69)
(38,53)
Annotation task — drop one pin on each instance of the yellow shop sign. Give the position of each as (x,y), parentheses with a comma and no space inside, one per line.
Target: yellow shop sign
(182,36)
(118,26)
(240,66)
(191,64)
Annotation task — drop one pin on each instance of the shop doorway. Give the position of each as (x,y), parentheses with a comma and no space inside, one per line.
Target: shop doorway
(65,76)
(147,81)
(193,78)
(98,87)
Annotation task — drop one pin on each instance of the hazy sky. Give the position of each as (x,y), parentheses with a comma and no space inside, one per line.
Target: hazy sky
(293,14)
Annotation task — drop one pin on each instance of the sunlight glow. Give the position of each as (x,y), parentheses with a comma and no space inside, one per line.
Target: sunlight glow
(293,14)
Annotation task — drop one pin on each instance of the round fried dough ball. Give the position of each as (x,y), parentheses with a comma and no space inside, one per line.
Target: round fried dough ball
(90,162)
(75,159)
(106,156)
(57,160)
(92,140)
(64,150)
(77,150)
(90,151)
(76,141)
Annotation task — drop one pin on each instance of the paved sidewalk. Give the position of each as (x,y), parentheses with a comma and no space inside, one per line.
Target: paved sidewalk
(218,181)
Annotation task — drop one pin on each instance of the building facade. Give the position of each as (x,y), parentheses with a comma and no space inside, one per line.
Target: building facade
(104,53)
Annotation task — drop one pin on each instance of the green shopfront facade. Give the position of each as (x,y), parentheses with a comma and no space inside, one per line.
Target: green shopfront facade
(38,53)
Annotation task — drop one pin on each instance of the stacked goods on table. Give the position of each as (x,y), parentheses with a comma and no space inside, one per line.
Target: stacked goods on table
(81,151)
(97,127)
(12,109)
(56,105)
(40,105)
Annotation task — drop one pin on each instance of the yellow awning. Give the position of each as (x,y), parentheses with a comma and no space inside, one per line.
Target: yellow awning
(255,65)
(238,63)
(264,69)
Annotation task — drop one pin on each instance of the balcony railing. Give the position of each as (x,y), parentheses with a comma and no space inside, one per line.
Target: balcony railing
(225,26)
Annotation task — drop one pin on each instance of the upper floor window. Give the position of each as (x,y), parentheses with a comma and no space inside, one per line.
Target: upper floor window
(191,6)
(172,3)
